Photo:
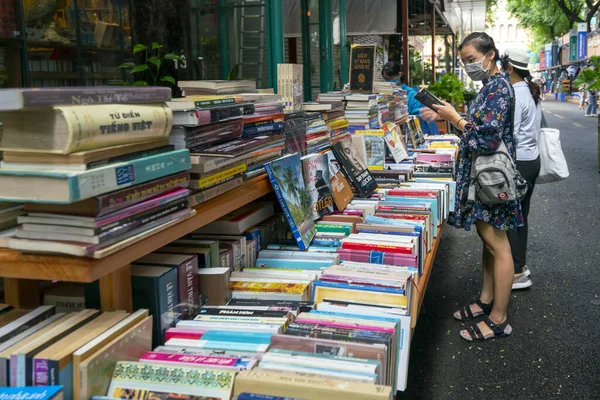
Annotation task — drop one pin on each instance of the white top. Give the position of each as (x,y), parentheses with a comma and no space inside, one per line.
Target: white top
(528,118)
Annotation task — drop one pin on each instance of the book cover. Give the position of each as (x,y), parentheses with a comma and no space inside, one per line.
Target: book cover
(362,65)
(39,393)
(374,147)
(208,383)
(353,167)
(12,329)
(340,187)
(79,128)
(209,362)
(18,99)
(287,180)
(155,289)
(318,181)
(68,187)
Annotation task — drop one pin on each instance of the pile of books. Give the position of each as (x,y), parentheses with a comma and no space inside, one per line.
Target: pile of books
(9,212)
(216,87)
(94,178)
(76,350)
(295,132)
(361,111)
(317,135)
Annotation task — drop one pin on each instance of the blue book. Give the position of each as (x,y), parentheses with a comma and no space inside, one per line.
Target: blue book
(355,286)
(286,178)
(31,392)
(240,337)
(68,187)
(254,396)
(276,126)
(431,203)
(255,234)
(292,263)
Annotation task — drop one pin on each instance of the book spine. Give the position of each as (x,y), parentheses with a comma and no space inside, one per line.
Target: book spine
(97,182)
(189,292)
(4,372)
(335,324)
(200,197)
(256,235)
(377,247)
(218,177)
(41,372)
(175,333)
(124,198)
(264,128)
(358,286)
(285,208)
(93,127)
(51,97)
(215,102)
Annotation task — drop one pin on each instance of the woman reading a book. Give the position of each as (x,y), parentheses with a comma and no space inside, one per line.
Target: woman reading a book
(489,121)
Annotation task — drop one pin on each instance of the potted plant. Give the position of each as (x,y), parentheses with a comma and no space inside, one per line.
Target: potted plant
(449,88)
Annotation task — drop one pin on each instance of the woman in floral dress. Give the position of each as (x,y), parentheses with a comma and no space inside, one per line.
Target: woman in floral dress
(490,120)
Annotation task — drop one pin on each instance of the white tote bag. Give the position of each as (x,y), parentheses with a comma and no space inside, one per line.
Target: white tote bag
(554,165)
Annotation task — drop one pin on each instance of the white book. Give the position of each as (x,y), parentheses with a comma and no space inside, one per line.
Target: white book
(231,326)
(355,377)
(340,365)
(299,254)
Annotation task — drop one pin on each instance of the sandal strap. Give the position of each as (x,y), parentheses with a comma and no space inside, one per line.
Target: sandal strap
(465,312)
(475,332)
(498,329)
(487,308)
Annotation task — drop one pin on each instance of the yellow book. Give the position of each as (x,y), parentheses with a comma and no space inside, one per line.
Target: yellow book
(70,129)
(390,299)
(297,288)
(307,387)
(338,124)
(370,132)
(209,180)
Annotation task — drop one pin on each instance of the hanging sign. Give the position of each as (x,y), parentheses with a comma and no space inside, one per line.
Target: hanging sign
(581,41)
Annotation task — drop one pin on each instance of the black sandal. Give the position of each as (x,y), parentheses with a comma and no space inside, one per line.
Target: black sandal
(466,313)
(498,331)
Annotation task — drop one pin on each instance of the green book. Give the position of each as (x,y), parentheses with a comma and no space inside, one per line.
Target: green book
(212,245)
(337,227)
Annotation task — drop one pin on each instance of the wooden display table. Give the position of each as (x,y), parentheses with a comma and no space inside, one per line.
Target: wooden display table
(21,272)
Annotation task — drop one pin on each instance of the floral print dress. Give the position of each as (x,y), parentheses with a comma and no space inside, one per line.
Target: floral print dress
(490,120)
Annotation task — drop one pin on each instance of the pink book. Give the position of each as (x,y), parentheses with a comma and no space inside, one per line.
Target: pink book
(184,333)
(434,157)
(361,281)
(307,320)
(188,360)
(366,256)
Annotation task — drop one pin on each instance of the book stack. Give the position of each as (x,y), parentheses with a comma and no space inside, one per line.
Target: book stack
(216,88)
(317,135)
(295,132)
(9,212)
(290,84)
(76,350)
(387,108)
(361,111)
(94,178)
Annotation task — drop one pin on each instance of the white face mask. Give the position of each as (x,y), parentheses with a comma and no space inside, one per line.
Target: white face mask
(476,71)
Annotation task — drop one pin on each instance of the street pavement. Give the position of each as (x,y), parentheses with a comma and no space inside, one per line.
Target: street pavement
(554,351)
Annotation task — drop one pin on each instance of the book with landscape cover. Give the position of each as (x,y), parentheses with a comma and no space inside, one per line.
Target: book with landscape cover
(318,182)
(287,180)
(17,99)
(353,167)
(112,202)
(69,129)
(68,187)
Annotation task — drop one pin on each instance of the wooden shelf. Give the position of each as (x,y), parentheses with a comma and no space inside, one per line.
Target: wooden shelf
(18,266)
(424,279)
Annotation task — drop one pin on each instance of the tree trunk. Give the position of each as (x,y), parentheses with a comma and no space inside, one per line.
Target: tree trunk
(166,22)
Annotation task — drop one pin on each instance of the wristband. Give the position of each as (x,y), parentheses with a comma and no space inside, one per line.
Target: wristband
(458,122)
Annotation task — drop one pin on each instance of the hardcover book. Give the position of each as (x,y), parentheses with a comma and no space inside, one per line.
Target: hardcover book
(362,65)
(68,187)
(318,181)
(287,180)
(353,167)
(69,129)
(156,289)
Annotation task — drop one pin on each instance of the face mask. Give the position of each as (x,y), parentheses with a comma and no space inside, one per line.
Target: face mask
(396,81)
(476,71)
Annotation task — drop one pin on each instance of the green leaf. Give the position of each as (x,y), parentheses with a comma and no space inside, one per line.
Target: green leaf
(126,65)
(139,68)
(156,46)
(140,83)
(138,48)
(169,79)
(155,61)
(171,56)
(233,74)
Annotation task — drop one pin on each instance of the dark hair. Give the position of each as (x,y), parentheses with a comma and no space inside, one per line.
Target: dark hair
(391,68)
(534,88)
(482,42)
(402,79)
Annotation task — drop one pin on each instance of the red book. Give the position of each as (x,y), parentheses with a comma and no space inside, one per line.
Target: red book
(432,194)
(396,249)
(184,333)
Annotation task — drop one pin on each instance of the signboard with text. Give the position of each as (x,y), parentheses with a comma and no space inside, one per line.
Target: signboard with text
(581,41)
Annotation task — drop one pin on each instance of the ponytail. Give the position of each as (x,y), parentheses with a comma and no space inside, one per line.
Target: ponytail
(534,88)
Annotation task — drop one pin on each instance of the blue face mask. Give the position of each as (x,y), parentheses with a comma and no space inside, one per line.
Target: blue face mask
(396,81)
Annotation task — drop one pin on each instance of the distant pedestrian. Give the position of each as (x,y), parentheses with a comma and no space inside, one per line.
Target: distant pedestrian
(527,122)
(592,103)
(582,96)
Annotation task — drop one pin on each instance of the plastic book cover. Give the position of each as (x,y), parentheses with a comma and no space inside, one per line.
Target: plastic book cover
(318,182)
(374,140)
(353,167)
(287,180)
(340,187)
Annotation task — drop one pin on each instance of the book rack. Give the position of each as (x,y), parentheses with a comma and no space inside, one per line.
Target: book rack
(22,271)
